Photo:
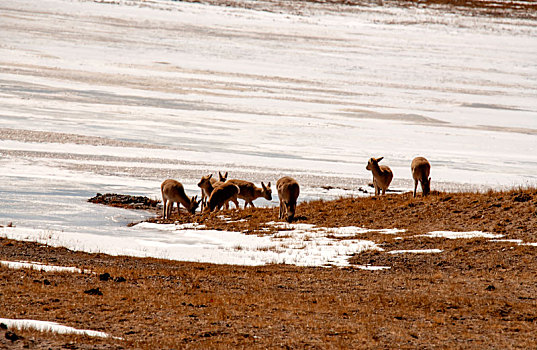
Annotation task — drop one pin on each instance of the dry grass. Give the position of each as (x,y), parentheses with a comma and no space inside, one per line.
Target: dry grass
(474,294)
(508,212)
(497,8)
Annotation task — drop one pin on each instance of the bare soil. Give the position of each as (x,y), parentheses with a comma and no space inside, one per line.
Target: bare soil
(476,293)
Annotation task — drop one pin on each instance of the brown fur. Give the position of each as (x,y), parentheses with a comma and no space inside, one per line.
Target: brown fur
(173,192)
(222,195)
(421,169)
(250,192)
(288,191)
(382,175)
(207,185)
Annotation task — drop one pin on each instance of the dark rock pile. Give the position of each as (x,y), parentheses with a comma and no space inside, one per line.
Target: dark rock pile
(125,201)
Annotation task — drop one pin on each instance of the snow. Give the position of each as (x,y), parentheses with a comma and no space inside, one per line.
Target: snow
(416,251)
(302,245)
(456,235)
(39,266)
(507,240)
(346,231)
(372,268)
(46,326)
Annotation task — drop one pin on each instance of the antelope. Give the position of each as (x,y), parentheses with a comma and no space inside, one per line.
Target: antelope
(174,192)
(250,192)
(208,184)
(288,191)
(382,175)
(222,178)
(420,172)
(222,195)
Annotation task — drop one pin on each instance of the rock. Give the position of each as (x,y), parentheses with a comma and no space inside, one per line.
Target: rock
(124,201)
(93,291)
(12,336)
(490,288)
(104,276)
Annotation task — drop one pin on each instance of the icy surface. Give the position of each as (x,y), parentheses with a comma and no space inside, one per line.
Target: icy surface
(46,326)
(118,96)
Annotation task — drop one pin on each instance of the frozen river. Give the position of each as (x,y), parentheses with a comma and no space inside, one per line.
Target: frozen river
(116,97)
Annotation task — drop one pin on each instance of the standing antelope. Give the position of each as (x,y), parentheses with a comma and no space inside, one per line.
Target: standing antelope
(222,195)
(288,191)
(174,192)
(250,192)
(420,172)
(207,185)
(382,175)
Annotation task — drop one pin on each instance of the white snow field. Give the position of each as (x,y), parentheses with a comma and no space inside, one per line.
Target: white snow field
(118,96)
(301,245)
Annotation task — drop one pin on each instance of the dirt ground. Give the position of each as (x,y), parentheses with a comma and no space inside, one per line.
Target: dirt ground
(476,293)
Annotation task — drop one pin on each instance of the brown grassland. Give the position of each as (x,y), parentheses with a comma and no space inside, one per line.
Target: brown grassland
(476,293)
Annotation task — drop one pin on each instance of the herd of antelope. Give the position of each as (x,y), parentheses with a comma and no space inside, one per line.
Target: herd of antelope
(216,194)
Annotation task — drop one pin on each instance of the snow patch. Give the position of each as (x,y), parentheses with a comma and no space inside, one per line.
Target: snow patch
(46,326)
(416,251)
(456,235)
(301,244)
(39,266)
(519,241)
(532,244)
(372,268)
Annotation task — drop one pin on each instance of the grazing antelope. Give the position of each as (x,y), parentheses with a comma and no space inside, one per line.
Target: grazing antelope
(207,185)
(382,175)
(250,192)
(222,195)
(174,192)
(288,191)
(420,172)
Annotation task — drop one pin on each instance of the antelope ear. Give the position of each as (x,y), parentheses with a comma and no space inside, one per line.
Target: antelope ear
(268,185)
(195,198)
(210,176)
(263,185)
(225,175)
(379,159)
(429,180)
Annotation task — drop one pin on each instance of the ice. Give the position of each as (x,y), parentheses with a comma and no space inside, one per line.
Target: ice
(118,97)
